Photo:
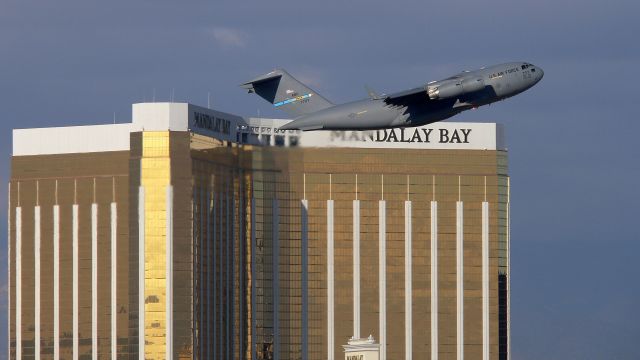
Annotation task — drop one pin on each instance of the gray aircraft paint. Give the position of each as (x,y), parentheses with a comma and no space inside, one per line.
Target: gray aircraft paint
(435,101)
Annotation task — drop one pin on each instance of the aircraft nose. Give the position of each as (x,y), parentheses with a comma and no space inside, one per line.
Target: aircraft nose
(540,73)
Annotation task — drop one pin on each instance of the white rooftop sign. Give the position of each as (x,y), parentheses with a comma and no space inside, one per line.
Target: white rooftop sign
(229,127)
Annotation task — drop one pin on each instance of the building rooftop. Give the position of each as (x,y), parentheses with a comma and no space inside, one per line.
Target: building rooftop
(252,130)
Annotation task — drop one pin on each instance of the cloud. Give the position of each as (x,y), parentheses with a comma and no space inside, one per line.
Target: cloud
(229,37)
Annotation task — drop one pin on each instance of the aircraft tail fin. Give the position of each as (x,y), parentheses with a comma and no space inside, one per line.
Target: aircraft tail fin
(286,93)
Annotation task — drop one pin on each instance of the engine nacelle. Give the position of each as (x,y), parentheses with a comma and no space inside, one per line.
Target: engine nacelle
(473,85)
(445,90)
(454,88)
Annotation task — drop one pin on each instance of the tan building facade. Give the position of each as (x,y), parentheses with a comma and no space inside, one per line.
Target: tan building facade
(195,234)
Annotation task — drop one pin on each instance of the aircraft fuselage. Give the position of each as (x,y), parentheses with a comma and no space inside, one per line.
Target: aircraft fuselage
(435,101)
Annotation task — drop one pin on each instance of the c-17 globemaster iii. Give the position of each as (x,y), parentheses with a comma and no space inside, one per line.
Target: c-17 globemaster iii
(435,101)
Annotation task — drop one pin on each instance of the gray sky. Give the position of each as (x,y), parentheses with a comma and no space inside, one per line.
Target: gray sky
(572,139)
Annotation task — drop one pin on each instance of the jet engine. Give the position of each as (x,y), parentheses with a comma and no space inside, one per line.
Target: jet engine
(454,88)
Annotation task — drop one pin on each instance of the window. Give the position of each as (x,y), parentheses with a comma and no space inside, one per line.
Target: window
(279,140)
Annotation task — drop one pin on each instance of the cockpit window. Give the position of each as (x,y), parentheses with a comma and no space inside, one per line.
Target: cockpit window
(533,70)
(524,67)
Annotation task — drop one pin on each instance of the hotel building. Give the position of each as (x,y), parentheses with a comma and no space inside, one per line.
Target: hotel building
(190,233)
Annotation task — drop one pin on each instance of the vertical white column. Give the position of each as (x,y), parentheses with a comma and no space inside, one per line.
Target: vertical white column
(94,281)
(198,196)
(508,268)
(408,325)
(213,258)
(56,282)
(356,269)
(169,273)
(18,282)
(276,278)
(382,276)
(9,270)
(198,231)
(460,280)
(36,250)
(210,272)
(242,275)
(254,297)
(114,281)
(485,280)
(141,234)
(232,275)
(434,280)
(304,209)
(221,279)
(74,236)
(228,240)
(330,284)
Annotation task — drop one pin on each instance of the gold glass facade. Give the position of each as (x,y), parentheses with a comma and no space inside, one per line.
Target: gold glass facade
(249,270)
(274,181)
(59,182)
(155,177)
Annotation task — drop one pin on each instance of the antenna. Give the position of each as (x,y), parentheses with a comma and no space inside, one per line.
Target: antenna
(172,93)
(114,117)
(208,100)
(154,95)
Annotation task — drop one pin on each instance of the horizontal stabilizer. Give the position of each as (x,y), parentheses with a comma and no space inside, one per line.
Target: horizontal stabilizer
(286,93)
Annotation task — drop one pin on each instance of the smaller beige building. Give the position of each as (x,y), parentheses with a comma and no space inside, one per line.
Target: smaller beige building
(362,349)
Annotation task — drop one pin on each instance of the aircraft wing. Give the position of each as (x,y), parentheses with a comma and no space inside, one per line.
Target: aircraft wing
(408,97)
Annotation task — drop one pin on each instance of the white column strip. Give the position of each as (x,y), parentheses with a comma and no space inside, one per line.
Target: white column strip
(356,269)
(114,281)
(18,283)
(382,276)
(94,281)
(56,282)
(460,280)
(408,324)
(169,273)
(254,297)
(434,280)
(485,281)
(228,276)
(9,271)
(275,220)
(214,240)
(141,275)
(210,273)
(36,250)
(305,277)
(232,273)
(508,268)
(198,197)
(74,236)
(330,284)
(242,274)
(221,279)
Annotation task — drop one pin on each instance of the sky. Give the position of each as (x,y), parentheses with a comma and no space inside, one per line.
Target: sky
(573,148)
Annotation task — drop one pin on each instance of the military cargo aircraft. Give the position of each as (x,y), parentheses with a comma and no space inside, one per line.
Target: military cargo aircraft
(432,102)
